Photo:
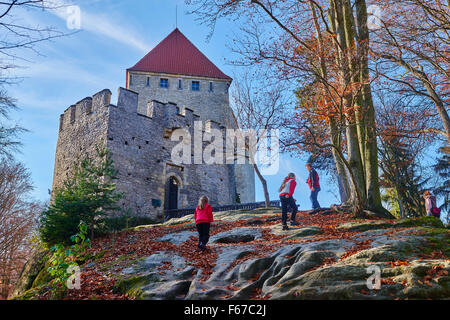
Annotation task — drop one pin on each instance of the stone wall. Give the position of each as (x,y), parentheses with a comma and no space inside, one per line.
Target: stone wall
(209,105)
(81,126)
(141,149)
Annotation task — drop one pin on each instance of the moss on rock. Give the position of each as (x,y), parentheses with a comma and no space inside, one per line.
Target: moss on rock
(429,222)
(133,285)
(30,272)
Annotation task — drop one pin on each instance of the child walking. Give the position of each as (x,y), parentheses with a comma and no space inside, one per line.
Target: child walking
(203,217)
(287,201)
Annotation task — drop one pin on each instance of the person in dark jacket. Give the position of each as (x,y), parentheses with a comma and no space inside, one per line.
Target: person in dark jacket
(314,185)
(430,205)
(203,217)
(287,201)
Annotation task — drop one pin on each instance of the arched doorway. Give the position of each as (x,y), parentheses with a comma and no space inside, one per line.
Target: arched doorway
(171,198)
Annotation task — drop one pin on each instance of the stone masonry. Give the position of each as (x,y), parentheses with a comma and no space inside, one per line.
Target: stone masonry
(210,102)
(172,87)
(141,149)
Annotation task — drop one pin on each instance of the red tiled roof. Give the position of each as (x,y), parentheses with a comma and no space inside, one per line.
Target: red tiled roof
(177,55)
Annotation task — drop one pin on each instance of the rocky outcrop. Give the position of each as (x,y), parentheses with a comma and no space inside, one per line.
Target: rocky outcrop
(249,256)
(30,272)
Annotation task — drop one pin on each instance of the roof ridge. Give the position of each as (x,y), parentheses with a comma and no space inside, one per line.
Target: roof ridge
(176,54)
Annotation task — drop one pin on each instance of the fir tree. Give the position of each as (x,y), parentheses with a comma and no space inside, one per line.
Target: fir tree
(87,195)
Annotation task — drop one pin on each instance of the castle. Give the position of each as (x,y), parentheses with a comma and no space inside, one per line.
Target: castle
(172,87)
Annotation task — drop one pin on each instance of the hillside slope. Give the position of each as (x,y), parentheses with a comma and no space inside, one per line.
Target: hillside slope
(250,257)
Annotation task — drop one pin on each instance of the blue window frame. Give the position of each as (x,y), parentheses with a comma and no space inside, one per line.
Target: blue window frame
(195,86)
(164,83)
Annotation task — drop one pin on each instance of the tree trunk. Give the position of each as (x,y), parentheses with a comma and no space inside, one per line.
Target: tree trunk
(370,138)
(334,133)
(343,183)
(344,31)
(264,185)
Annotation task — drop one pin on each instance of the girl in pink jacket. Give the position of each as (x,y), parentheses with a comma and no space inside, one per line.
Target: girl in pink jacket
(203,217)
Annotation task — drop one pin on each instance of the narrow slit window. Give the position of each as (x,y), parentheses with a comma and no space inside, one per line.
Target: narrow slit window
(180,85)
(211,87)
(148,82)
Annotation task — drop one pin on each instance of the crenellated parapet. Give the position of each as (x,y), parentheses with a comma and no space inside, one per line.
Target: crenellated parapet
(84,108)
(170,115)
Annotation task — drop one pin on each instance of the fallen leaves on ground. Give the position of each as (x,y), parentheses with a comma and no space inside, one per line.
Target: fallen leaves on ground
(117,251)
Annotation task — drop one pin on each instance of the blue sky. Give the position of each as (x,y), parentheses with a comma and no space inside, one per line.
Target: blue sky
(114,35)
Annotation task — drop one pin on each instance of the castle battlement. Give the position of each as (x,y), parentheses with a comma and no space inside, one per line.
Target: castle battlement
(170,114)
(84,108)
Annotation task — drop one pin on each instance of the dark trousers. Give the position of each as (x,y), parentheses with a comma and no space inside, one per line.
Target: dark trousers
(203,233)
(313,197)
(287,204)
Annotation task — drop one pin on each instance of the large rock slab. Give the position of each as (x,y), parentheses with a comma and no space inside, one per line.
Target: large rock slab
(237,235)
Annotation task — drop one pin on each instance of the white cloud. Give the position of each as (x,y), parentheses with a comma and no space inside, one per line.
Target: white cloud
(100,24)
(60,70)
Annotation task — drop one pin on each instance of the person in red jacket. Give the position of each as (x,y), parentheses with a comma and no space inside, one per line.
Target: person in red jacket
(286,191)
(203,217)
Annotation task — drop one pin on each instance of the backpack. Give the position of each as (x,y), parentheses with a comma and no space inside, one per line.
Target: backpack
(435,211)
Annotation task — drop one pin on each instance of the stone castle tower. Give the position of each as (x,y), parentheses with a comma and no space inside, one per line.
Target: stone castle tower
(173,86)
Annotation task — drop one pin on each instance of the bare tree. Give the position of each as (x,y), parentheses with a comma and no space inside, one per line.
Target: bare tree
(411,48)
(18,214)
(18,219)
(259,106)
(17,38)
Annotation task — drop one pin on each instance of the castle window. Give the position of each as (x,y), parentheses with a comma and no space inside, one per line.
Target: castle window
(195,86)
(148,81)
(211,87)
(131,80)
(164,83)
(180,85)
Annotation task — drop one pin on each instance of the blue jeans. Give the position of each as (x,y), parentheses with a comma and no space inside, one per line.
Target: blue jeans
(313,197)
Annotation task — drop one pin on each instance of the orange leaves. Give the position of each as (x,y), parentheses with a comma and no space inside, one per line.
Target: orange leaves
(361,245)
(232,287)
(398,263)
(328,261)
(387,281)
(436,254)
(95,285)
(435,271)
(257,295)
